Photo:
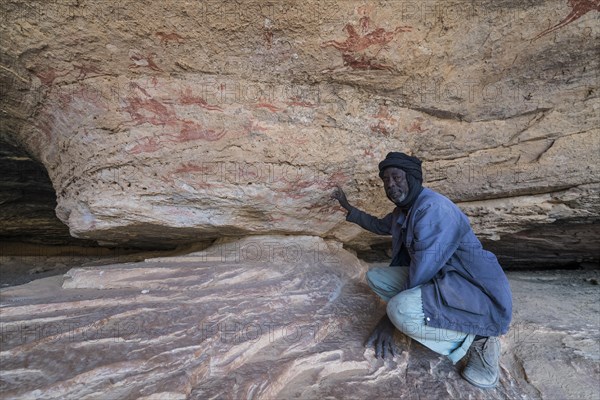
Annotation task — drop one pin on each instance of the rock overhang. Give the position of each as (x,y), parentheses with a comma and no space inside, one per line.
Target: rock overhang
(243,124)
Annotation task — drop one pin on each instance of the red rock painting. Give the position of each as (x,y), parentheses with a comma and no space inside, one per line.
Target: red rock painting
(48,76)
(384,114)
(357,42)
(338,178)
(144,109)
(141,61)
(416,126)
(149,111)
(364,62)
(147,145)
(165,38)
(385,120)
(380,128)
(190,131)
(300,187)
(268,106)
(191,167)
(86,69)
(298,141)
(191,170)
(188,98)
(578,9)
(135,85)
(274,220)
(298,102)
(252,126)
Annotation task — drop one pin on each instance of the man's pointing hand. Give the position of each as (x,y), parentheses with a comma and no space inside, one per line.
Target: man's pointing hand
(340,196)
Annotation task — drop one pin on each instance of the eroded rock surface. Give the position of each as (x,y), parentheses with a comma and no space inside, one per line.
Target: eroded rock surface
(163,122)
(270,318)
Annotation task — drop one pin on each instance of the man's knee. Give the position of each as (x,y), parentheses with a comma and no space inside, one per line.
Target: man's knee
(371,277)
(398,305)
(405,313)
(376,278)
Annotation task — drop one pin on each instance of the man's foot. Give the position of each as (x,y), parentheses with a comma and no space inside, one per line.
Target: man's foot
(483,368)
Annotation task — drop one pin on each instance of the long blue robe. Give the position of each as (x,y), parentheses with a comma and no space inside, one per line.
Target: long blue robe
(463,286)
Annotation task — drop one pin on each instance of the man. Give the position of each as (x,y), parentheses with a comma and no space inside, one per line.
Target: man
(443,290)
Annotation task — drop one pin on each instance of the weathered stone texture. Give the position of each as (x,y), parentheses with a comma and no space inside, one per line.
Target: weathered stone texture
(271,317)
(166,122)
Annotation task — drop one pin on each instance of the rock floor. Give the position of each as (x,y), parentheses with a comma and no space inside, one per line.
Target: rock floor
(236,321)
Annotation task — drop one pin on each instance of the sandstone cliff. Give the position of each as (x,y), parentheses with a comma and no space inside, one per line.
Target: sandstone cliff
(162,123)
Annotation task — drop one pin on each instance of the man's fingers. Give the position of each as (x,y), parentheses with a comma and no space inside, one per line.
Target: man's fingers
(370,340)
(383,347)
(386,346)
(386,350)
(392,349)
(379,349)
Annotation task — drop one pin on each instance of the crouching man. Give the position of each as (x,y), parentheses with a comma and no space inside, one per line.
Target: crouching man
(442,288)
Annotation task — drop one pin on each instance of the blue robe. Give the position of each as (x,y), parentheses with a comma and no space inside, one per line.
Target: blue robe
(463,286)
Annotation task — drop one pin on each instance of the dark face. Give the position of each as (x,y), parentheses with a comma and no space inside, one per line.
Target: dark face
(395,184)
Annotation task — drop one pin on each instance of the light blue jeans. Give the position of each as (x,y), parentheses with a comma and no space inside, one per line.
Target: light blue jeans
(405,310)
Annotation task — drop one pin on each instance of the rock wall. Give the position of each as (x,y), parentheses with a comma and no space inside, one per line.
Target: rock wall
(169,122)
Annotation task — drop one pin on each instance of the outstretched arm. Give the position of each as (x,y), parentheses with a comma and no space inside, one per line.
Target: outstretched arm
(380,226)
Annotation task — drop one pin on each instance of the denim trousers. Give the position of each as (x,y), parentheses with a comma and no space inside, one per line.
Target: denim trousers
(405,310)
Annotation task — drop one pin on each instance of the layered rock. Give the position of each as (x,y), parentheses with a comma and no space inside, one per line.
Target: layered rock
(28,200)
(165,123)
(273,317)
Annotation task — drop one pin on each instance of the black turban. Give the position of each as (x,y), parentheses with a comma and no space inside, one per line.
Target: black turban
(414,174)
